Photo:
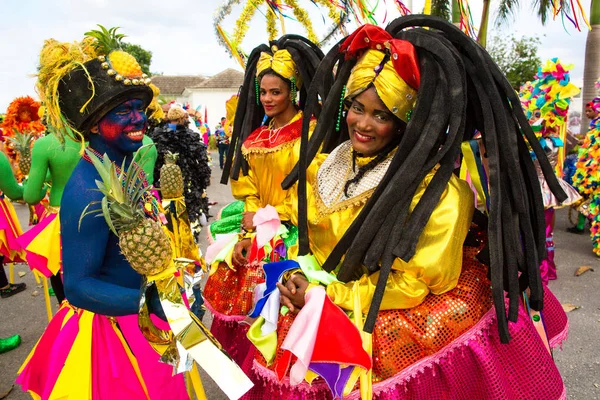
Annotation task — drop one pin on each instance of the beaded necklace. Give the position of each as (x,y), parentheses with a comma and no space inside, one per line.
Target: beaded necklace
(147,202)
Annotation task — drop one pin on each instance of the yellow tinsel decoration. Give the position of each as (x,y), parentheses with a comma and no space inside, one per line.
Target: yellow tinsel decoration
(302,17)
(243,22)
(56,60)
(271,24)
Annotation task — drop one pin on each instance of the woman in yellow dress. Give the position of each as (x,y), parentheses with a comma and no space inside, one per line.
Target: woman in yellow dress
(391,299)
(263,150)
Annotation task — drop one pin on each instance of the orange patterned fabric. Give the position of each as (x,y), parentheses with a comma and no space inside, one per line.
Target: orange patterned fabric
(231,292)
(405,336)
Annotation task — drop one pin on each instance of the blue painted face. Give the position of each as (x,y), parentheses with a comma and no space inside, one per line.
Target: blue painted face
(124,126)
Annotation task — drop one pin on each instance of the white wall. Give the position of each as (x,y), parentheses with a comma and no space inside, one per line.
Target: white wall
(213,99)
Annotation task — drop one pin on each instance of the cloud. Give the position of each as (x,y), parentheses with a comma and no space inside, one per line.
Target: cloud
(181,36)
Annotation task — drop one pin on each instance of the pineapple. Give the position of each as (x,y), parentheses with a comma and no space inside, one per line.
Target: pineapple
(143,241)
(171,180)
(108,42)
(22,145)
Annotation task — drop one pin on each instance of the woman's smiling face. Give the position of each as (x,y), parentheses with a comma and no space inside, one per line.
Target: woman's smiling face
(371,125)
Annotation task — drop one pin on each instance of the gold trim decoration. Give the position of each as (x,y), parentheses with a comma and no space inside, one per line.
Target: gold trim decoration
(271,10)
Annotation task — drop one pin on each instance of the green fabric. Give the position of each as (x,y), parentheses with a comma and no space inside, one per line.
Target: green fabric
(267,345)
(231,209)
(581,222)
(313,271)
(230,224)
(9,343)
(291,238)
(230,221)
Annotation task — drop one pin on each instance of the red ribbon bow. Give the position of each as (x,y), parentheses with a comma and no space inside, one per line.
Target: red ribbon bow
(402,53)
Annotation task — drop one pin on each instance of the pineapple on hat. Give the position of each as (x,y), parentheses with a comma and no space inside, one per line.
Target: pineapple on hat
(118,63)
(171,178)
(142,240)
(22,145)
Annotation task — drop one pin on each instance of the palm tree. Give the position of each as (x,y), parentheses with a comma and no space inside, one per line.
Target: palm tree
(591,69)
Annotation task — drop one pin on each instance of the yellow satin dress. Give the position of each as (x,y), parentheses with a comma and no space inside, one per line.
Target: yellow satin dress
(430,300)
(271,154)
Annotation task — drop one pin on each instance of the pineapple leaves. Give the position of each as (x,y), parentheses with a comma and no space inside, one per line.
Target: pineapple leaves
(87,212)
(122,192)
(108,39)
(107,216)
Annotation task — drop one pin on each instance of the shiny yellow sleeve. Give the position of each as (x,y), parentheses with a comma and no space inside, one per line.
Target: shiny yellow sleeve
(245,189)
(437,262)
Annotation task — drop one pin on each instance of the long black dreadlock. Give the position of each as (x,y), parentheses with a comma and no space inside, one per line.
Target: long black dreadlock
(250,113)
(461,91)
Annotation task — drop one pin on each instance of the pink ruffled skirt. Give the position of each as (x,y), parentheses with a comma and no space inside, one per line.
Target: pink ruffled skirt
(83,355)
(474,366)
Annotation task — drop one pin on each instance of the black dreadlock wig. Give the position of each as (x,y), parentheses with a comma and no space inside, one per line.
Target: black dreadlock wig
(193,161)
(249,114)
(461,91)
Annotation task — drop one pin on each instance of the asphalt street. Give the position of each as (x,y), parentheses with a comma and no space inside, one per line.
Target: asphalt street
(578,361)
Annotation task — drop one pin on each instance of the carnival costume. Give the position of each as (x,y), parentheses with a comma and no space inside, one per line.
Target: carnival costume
(394,260)
(10,228)
(184,213)
(587,178)
(21,117)
(265,157)
(103,354)
(551,93)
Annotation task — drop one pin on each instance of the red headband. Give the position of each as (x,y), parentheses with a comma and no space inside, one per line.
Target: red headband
(402,53)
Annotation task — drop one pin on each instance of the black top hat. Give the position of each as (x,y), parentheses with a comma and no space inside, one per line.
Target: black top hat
(94,84)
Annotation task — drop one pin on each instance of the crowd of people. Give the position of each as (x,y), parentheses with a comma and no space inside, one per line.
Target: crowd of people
(390,238)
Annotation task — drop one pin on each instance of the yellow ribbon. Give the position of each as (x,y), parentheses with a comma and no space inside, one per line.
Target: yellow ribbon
(282,63)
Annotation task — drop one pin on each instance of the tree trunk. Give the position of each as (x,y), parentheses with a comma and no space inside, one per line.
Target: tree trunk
(455,13)
(591,71)
(485,16)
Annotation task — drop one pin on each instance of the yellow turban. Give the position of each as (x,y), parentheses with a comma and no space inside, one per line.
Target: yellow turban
(395,93)
(282,63)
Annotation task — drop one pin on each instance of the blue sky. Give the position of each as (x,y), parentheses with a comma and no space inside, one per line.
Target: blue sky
(181,36)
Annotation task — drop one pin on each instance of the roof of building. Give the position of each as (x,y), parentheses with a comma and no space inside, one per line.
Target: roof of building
(175,84)
(227,79)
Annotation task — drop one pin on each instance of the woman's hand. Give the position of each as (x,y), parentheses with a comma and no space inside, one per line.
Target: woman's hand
(240,248)
(247,223)
(292,293)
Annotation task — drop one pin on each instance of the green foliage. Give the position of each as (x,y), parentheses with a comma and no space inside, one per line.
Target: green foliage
(142,56)
(517,58)
(441,8)
(108,39)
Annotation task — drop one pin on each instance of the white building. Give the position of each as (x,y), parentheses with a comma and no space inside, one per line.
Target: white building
(205,94)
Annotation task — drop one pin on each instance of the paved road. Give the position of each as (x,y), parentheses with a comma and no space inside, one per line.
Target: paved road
(579,361)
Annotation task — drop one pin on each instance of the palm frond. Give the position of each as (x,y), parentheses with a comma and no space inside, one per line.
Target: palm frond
(507,11)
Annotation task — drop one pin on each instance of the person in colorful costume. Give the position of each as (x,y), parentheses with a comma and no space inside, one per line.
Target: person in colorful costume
(393,239)
(546,101)
(587,176)
(10,228)
(21,116)
(193,162)
(93,96)
(592,112)
(56,159)
(42,242)
(263,149)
